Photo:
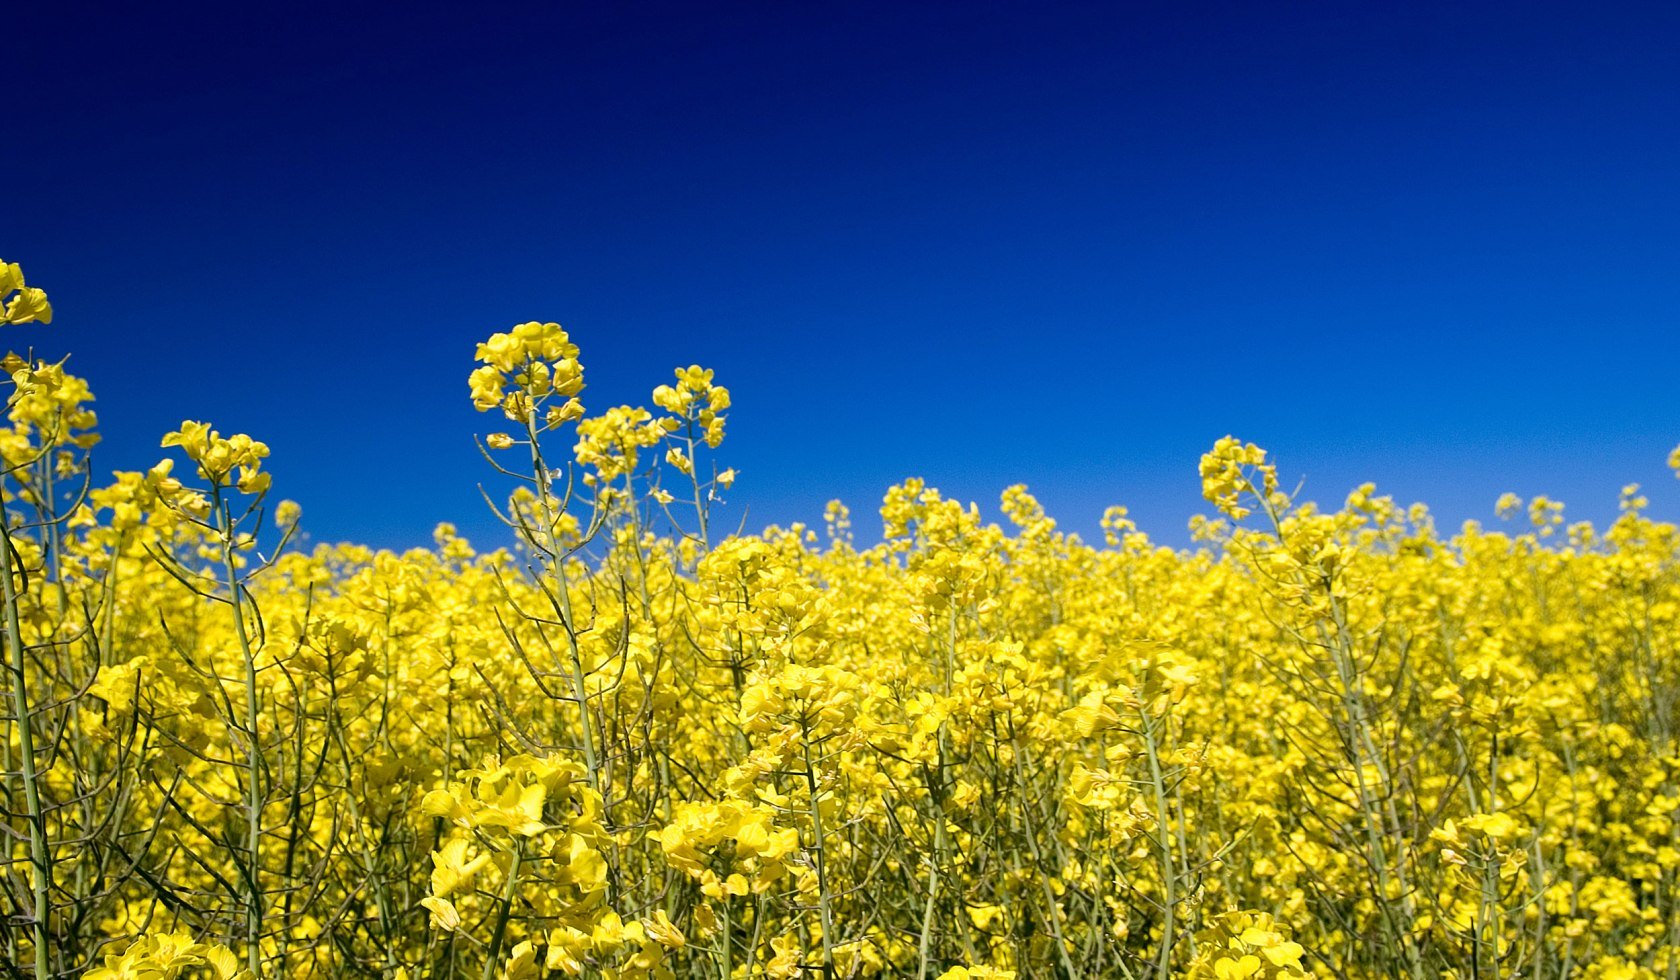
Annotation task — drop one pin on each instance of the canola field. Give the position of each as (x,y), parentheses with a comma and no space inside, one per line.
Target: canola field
(626,743)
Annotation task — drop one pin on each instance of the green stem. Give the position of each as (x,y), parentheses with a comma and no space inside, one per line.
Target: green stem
(1163,840)
(253,792)
(40,856)
(820,849)
(502,917)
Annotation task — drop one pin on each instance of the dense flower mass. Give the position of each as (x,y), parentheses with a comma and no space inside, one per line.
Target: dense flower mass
(1321,742)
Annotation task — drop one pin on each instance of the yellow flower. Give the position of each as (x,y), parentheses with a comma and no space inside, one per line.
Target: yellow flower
(522,962)
(443,912)
(28,305)
(1498,826)
(663,931)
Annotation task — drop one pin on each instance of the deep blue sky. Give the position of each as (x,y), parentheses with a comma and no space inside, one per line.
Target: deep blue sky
(1432,245)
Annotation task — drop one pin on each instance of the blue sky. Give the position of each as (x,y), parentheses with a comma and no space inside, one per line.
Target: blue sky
(1431,245)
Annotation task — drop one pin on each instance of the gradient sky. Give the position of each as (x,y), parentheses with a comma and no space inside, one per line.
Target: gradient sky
(1436,246)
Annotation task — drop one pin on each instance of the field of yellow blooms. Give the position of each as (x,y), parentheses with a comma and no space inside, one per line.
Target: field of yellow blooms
(1331,743)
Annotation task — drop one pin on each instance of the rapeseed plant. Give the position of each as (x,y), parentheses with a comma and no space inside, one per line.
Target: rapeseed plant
(626,745)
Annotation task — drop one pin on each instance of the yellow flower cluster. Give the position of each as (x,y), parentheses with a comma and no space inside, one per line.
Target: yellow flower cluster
(1239,945)
(1323,741)
(1228,475)
(694,840)
(696,400)
(21,303)
(610,444)
(525,368)
(167,955)
(217,458)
